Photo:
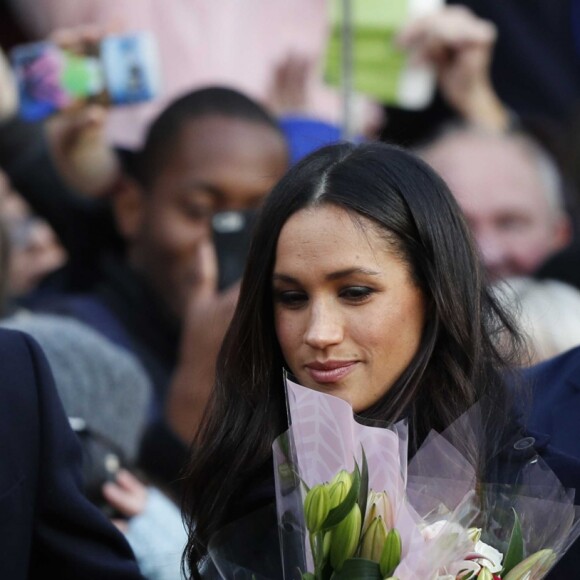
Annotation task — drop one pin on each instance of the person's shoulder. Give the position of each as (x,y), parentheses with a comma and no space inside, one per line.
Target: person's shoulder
(16,347)
(23,367)
(565,467)
(522,450)
(563,365)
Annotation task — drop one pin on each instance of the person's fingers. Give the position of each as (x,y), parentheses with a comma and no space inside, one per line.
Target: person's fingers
(439,46)
(129,482)
(74,126)
(206,272)
(118,498)
(127,493)
(452,27)
(125,501)
(92,116)
(78,39)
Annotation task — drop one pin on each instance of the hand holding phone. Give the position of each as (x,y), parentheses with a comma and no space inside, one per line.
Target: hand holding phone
(120,69)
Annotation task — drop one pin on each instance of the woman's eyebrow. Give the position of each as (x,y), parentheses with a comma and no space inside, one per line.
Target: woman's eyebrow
(332,276)
(284,278)
(350,271)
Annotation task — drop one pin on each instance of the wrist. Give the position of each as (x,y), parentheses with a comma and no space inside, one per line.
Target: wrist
(484,109)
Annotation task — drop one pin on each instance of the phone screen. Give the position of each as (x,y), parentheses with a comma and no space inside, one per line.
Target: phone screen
(232,234)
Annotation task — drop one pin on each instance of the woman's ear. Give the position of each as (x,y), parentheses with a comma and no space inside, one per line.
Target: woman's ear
(128,208)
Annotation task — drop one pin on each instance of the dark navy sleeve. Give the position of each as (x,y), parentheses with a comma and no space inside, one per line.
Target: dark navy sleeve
(69,538)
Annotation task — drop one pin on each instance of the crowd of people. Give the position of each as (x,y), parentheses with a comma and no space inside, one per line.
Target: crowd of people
(426,265)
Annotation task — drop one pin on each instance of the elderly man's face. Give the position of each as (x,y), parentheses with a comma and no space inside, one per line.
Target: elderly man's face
(503,198)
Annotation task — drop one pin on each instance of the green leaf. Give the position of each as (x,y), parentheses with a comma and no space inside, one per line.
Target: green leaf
(515,551)
(337,514)
(364,485)
(359,569)
(326,572)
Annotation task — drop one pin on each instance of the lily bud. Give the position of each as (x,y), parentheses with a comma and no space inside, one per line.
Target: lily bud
(539,562)
(485,574)
(474,534)
(374,540)
(391,555)
(316,507)
(338,491)
(344,476)
(345,537)
(379,504)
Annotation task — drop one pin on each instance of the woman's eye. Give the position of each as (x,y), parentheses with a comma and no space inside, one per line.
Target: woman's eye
(291,298)
(356,293)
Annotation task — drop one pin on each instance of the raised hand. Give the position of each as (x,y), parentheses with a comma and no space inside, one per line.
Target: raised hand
(460,45)
(77,135)
(208,317)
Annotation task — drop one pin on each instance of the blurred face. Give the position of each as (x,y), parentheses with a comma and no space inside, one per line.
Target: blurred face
(502,197)
(35,251)
(349,318)
(216,164)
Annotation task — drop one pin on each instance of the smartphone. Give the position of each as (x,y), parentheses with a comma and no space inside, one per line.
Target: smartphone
(232,234)
(377,67)
(121,69)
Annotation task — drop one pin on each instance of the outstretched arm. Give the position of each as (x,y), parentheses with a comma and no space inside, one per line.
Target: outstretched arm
(460,45)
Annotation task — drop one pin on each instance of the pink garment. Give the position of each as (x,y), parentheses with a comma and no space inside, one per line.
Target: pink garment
(236,43)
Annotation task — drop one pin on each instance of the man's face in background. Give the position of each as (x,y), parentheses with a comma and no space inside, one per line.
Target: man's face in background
(504,197)
(216,164)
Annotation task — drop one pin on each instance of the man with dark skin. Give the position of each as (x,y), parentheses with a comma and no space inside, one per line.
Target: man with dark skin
(217,162)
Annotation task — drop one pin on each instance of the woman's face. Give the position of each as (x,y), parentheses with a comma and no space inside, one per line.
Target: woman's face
(348,315)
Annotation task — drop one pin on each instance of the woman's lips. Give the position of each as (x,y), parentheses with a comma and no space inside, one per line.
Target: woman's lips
(330,372)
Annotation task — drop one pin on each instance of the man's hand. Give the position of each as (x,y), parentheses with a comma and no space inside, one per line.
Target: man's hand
(289,93)
(80,151)
(77,136)
(459,45)
(208,317)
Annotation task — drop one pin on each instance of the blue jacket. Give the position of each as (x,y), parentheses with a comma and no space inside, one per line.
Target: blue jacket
(47,526)
(556,400)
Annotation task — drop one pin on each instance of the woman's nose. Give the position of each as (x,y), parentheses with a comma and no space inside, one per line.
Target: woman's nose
(325,326)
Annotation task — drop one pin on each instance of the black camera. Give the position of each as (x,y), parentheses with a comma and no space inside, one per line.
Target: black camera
(232,235)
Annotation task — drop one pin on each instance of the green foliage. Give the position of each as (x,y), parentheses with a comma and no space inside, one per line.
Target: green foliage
(360,569)
(515,551)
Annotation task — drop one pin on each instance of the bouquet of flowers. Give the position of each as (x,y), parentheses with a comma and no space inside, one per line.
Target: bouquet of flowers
(349,505)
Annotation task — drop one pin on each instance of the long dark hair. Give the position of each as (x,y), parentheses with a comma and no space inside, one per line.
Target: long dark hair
(457,363)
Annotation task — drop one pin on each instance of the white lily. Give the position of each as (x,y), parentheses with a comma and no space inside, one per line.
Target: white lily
(491,558)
